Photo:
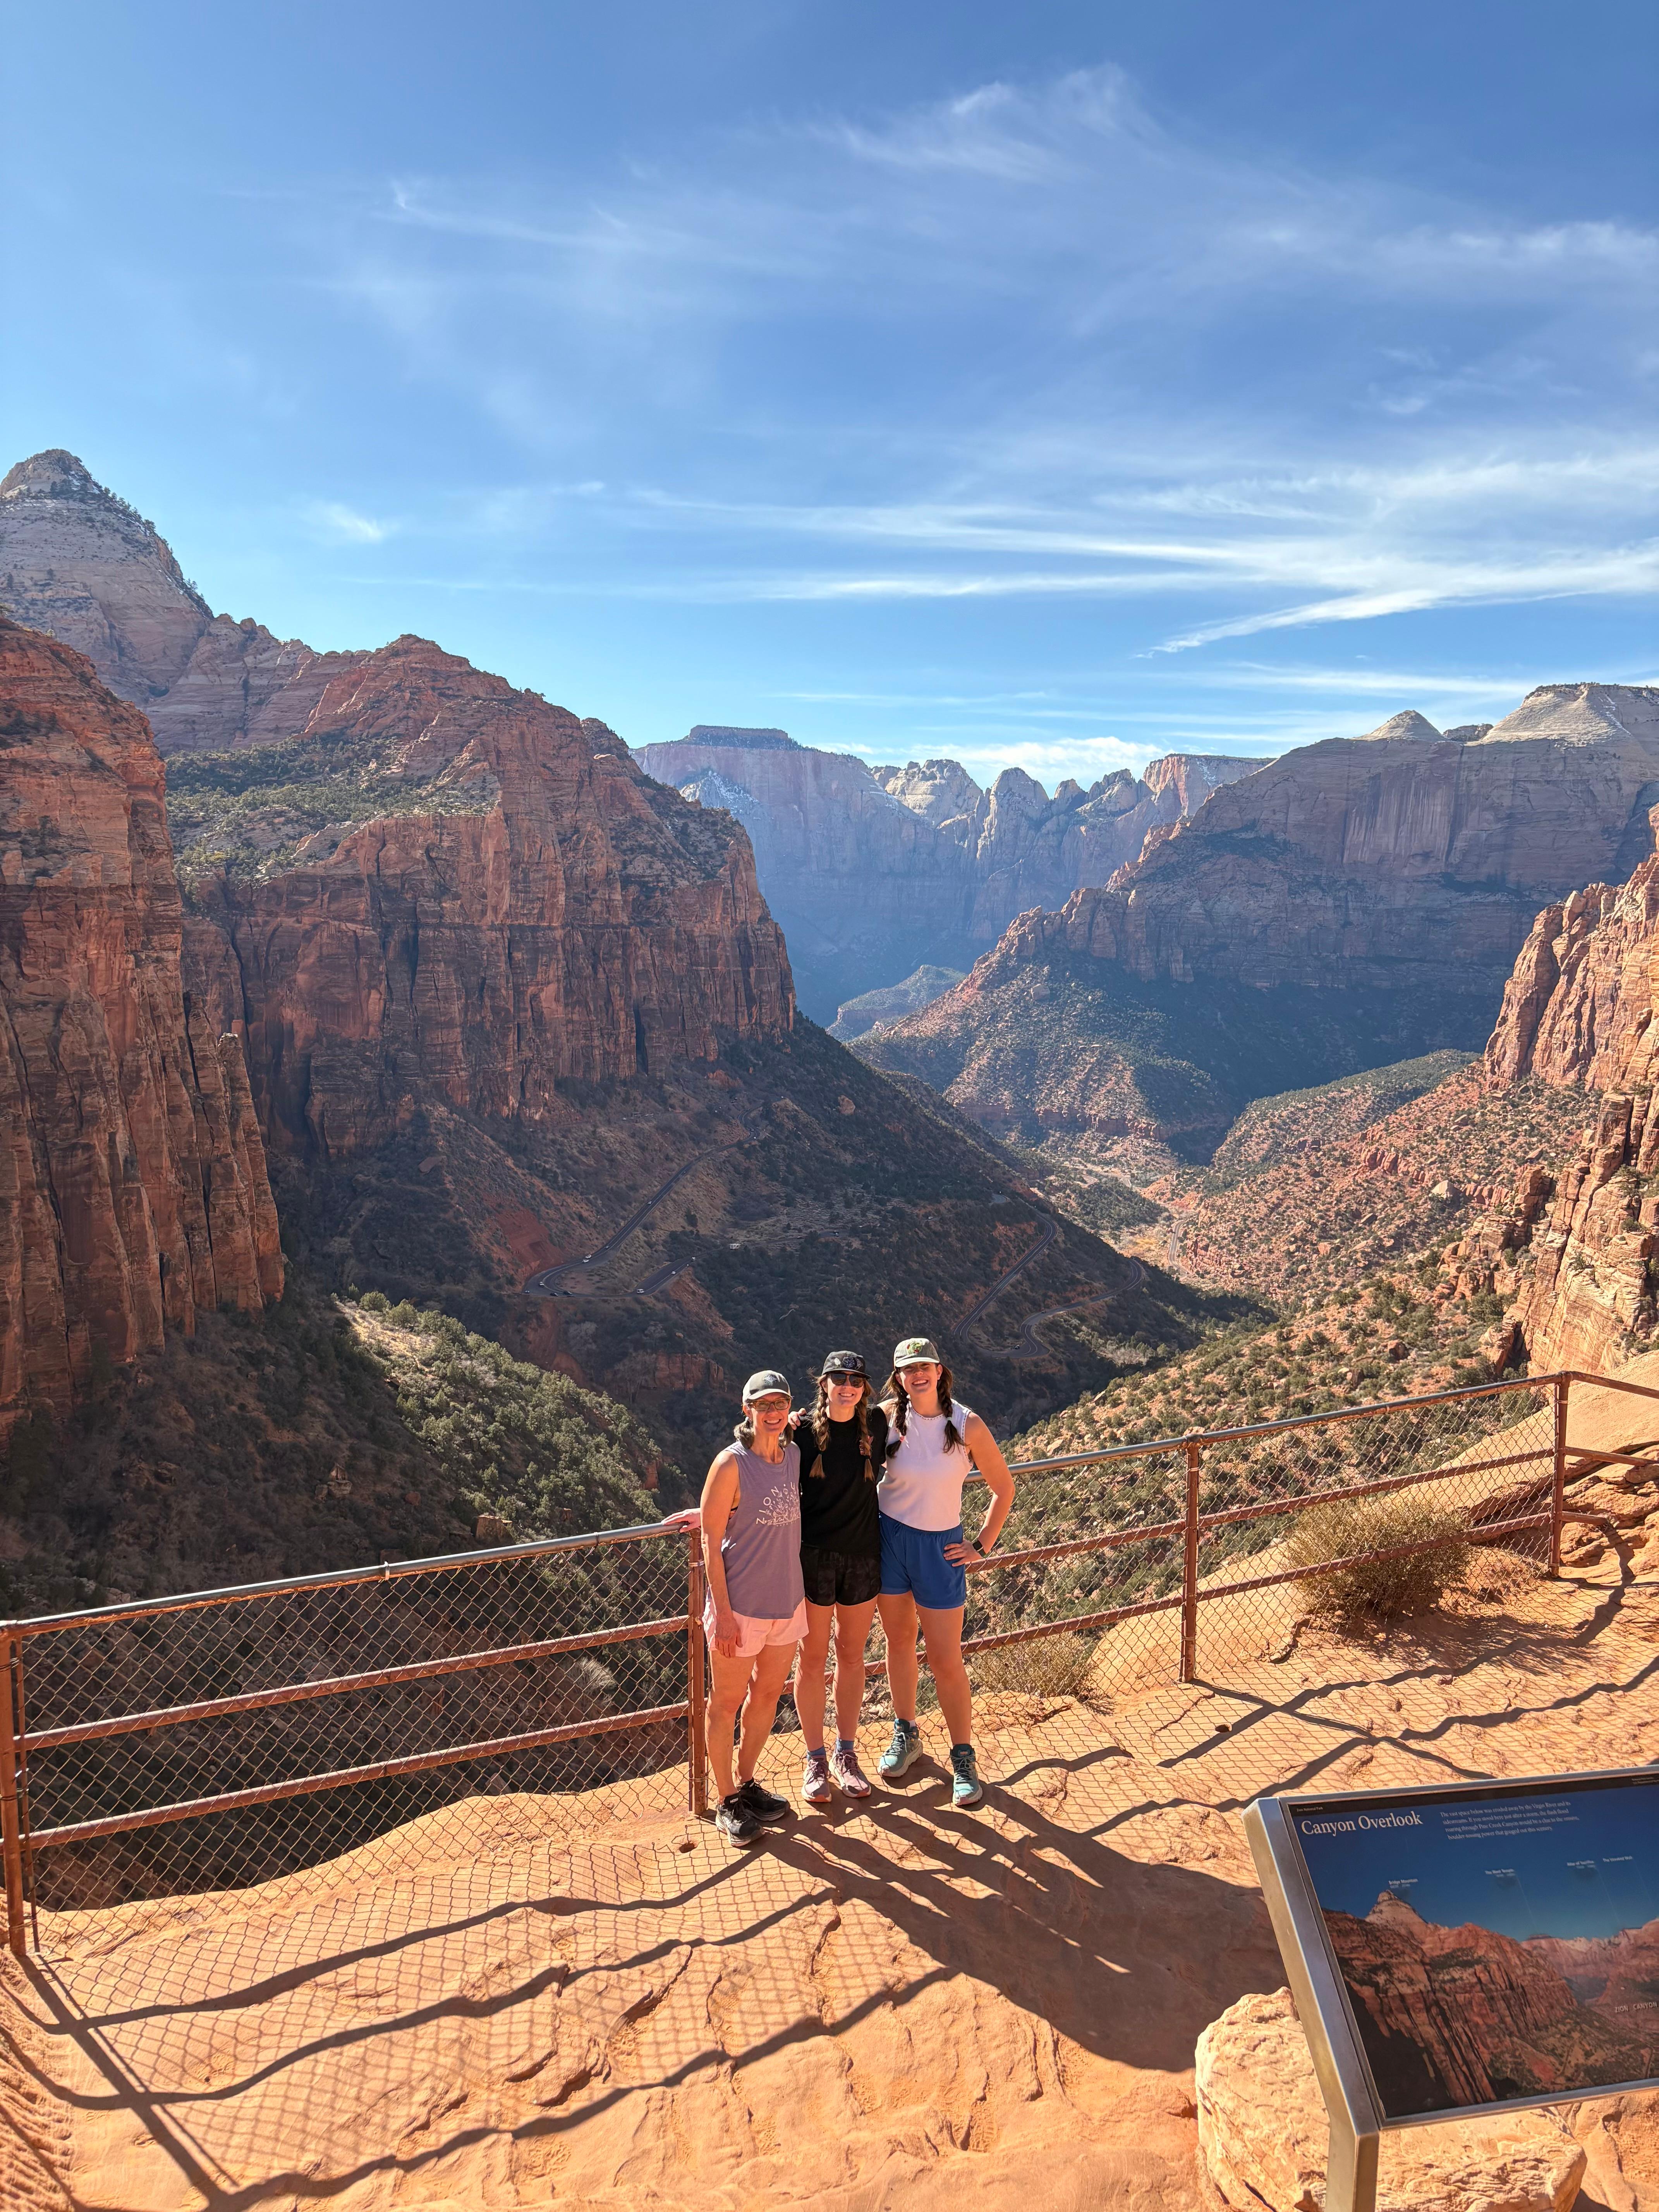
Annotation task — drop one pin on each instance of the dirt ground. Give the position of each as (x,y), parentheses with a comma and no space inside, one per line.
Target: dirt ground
(901,2004)
(590,2003)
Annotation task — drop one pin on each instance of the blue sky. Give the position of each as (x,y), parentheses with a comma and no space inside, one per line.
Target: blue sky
(1576,1862)
(1056,385)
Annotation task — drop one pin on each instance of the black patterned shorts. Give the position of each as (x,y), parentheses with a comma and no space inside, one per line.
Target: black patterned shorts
(839,1577)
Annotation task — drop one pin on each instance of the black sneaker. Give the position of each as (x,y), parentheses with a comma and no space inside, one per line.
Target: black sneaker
(733,1818)
(762,1804)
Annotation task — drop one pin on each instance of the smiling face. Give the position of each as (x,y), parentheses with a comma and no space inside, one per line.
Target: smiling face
(921,1381)
(769,1412)
(845,1393)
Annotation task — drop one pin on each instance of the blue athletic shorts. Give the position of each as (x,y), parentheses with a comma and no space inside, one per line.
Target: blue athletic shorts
(913,1565)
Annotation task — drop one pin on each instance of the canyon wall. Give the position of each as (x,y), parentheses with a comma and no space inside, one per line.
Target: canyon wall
(875,872)
(133,1191)
(1401,860)
(515,906)
(79,564)
(1356,902)
(1577,1014)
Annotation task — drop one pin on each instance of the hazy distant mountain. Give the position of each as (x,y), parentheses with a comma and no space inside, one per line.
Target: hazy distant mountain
(895,999)
(875,873)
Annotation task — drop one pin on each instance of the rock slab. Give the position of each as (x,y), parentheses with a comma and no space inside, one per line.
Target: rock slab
(1263,2134)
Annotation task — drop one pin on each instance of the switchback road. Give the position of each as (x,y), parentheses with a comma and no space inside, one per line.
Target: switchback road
(553,1282)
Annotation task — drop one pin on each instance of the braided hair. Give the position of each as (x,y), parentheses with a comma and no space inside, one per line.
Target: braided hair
(894,1389)
(819,1420)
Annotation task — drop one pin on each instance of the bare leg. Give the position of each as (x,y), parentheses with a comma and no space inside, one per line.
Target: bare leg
(812,1655)
(761,1707)
(727,1692)
(942,1633)
(898,1626)
(852,1634)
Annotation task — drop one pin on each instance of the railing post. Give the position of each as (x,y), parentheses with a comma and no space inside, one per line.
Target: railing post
(696,1744)
(1189,1568)
(1559,1486)
(11,1836)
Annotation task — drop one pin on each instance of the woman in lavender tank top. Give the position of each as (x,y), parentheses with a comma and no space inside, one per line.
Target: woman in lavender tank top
(754,1613)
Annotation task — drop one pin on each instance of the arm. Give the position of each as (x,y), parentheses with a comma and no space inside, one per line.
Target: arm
(720,1492)
(985,1454)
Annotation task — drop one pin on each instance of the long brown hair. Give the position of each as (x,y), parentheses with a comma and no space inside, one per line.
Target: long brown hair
(894,1389)
(820,1420)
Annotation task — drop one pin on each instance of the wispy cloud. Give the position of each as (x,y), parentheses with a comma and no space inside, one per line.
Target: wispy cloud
(1031,352)
(341,525)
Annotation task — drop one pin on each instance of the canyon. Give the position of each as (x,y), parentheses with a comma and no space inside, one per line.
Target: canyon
(444,974)
(876,872)
(1354,903)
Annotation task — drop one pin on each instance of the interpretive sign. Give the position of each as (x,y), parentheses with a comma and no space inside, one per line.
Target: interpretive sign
(1466,1948)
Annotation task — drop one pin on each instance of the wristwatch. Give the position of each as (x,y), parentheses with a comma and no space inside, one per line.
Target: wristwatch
(979,1547)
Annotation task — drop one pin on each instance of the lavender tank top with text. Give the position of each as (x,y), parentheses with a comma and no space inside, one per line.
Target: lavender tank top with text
(761,1548)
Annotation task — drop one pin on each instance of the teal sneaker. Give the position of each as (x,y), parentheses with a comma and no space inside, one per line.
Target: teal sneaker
(966,1788)
(902,1754)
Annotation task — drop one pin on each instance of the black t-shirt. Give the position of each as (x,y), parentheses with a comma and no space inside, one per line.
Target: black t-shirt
(838,1509)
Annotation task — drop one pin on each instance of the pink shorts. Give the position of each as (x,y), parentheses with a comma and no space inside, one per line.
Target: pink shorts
(753,1636)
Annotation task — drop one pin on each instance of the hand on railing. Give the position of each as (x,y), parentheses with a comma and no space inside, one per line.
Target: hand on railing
(688,1517)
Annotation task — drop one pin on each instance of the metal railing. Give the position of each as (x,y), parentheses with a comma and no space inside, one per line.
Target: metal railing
(168,1745)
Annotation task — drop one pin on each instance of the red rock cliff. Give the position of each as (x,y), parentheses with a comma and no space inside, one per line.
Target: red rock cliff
(541,911)
(133,1179)
(1578,1013)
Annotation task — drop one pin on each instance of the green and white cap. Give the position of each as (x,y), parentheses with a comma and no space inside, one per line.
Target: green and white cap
(763,1383)
(916,1351)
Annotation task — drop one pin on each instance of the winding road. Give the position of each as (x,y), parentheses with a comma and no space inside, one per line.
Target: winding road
(553,1282)
(1003,1281)
(1027,1344)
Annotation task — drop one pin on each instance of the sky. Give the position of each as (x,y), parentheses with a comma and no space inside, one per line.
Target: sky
(1575,1862)
(1054,386)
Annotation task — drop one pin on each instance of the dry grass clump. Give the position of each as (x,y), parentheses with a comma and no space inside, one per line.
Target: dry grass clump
(1048,1667)
(1383,1589)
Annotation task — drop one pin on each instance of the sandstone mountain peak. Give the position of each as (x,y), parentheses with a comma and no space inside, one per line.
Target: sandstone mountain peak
(1410,724)
(1583,714)
(1391,1910)
(78,563)
(81,563)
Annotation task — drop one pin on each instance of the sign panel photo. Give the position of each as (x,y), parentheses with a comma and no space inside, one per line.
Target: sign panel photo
(1494,1944)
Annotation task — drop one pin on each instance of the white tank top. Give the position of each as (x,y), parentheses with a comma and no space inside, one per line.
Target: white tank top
(922,1487)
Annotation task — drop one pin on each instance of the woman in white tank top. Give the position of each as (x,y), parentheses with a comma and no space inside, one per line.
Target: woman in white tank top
(933,1445)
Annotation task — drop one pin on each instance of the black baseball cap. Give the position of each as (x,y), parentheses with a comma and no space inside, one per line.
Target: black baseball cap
(844,1363)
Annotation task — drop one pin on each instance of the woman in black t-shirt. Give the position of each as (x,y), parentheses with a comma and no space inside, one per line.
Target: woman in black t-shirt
(843,1451)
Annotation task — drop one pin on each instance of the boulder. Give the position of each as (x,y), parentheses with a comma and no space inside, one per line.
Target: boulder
(1263,2134)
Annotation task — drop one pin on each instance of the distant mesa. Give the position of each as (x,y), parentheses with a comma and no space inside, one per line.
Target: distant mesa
(743,741)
